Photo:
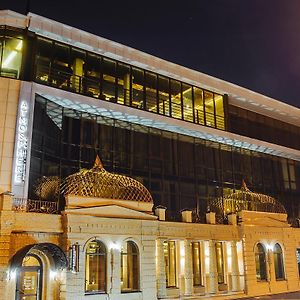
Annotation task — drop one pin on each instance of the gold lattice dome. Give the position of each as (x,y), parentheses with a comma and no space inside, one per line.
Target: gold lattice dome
(97,182)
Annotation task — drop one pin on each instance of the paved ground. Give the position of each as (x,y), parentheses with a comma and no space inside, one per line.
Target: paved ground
(290,296)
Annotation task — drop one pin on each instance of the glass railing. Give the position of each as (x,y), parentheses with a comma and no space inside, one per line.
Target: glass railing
(91,87)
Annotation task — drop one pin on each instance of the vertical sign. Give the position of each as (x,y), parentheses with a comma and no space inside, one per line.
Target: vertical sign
(74,258)
(22,144)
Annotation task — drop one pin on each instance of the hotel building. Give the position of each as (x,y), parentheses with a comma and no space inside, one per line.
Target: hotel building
(124,176)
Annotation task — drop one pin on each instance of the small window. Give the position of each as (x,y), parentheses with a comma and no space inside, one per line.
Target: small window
(260,262)
(278,262)
(129,267)
(298,260)
(95,268)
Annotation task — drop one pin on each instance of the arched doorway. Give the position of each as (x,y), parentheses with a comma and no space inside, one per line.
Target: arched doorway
(29,279)
(34,266)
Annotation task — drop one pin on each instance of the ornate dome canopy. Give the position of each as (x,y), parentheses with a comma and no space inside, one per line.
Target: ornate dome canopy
(244,199)
(97,182)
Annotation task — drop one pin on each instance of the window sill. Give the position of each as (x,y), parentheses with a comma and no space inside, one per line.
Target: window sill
(130,292)
(94,293)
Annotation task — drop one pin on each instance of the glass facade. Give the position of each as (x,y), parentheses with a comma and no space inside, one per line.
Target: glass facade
(251,124)
(180,171)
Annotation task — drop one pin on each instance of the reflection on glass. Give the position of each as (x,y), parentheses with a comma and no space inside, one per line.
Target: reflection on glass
(220,262)
(278,262)
(129,267)
(95,267)
(260,262)
(196,257)
(170,263)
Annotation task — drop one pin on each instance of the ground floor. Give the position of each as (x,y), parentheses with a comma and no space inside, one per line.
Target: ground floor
(112,252)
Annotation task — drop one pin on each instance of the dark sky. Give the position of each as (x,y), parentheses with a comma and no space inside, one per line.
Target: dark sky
(252,43)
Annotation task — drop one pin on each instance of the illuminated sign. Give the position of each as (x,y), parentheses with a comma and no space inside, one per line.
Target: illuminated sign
(74,259)
(22,143)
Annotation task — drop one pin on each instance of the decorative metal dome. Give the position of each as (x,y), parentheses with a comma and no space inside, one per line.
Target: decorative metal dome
(244,199)
(97,182)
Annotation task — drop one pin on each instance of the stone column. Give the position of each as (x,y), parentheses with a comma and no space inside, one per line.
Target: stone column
(160,269)
(115,272)
(235,273)
(213,274)
(188,269)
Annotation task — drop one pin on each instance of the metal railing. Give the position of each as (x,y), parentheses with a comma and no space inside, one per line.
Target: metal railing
(37,206)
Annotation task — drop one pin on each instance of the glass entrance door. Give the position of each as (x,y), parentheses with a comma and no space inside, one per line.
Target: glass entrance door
(29,283)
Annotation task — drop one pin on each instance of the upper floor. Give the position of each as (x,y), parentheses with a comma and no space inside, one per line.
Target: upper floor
(34,48)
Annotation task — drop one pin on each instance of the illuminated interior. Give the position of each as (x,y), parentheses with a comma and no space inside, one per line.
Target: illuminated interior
(95,268)
(129,267)
(170,263)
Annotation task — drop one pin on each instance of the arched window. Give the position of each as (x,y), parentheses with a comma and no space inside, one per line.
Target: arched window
(260,262)
(129,267)
(95,267)
(278,262)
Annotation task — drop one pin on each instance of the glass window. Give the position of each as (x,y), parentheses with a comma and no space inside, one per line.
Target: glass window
(151,98)
(109,80)
(43,60)
(170,263)
(219,111)
(220,262)
(209,109)
(95,267)
(187,98)
(123,74)
(196,257)
(61,72)
(129,267)
(176,99)
(137,88)
(198,106)
(92,69)
(77,65)
(163,96)
(11,57)
(260,262)
(278,262)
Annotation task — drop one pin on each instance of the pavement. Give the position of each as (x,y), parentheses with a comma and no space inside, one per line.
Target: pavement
(290,296)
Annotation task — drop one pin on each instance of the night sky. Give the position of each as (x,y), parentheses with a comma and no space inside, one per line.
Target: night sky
(252,43)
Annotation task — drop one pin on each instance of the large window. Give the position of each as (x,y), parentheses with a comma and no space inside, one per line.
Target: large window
(95,268)
(220,262)
(260,262)
(278,262)
(11,48)
(196,258)
(129,267)
(170,263)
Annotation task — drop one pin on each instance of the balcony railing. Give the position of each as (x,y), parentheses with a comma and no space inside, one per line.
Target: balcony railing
(37,206)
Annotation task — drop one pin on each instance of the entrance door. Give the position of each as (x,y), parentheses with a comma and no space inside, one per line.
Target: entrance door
(29,283)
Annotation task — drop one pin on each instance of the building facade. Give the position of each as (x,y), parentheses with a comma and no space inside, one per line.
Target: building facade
(178,219)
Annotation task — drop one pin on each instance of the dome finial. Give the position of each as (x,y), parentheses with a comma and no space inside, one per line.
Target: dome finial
(98,163)
(244,186)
